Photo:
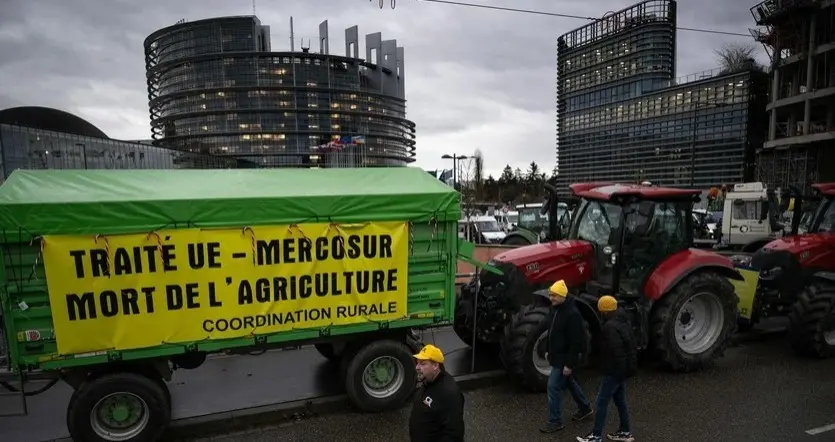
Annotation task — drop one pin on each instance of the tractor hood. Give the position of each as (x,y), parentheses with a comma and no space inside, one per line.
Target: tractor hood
(570,260)
(800,243)
(809,250)
(536,252)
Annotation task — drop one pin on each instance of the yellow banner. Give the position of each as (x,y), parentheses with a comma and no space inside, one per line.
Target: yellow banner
(174,286)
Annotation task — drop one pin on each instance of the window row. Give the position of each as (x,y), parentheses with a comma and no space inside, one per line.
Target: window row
(638,46)
(661,65)
(649,108)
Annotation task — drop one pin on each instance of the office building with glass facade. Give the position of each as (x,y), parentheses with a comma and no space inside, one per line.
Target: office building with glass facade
(622,116)
(44,138)
(216,88)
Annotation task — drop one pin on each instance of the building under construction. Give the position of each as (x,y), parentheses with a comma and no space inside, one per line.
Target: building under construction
(799,36)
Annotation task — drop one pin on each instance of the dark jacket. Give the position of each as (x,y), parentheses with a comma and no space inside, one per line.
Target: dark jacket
(438,412)
(618,349)
(567,339)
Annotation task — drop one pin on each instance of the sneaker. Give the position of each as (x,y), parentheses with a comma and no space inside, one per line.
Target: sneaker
(621,436)
(580,415)
(590,438)
(551,428)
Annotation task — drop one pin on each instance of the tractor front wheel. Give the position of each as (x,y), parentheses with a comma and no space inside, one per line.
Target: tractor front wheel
(524,345)
(811,329)
(693,324)
(516,240)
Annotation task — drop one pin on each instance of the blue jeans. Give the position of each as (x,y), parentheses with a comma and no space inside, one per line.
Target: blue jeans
(556,384)
(612,388)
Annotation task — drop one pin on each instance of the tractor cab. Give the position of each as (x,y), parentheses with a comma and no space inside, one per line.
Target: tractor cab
(823,220)
(631,229)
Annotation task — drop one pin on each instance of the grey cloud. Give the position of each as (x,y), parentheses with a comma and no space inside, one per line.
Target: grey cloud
(468,71)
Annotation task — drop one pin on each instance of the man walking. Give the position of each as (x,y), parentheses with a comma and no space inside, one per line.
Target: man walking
(567,341)
(438,411)
(619,361)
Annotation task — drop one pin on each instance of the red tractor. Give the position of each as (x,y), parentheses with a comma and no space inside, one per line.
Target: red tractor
(797,276)
(631,241)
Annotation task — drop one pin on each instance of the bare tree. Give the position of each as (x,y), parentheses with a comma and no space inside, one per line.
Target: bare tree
(734,57)
(478,174)
(466,175)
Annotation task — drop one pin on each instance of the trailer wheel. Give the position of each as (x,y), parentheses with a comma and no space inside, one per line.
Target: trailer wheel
(328,351)
(380,375)
(525,344)
(693,324)
(125,407)
(810,331)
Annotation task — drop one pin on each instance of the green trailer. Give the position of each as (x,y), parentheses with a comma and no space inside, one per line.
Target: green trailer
(113,279)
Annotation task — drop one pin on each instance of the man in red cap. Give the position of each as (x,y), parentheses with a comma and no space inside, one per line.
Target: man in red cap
(438,411)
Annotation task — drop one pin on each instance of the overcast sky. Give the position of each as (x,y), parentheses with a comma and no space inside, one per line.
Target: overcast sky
(475,78)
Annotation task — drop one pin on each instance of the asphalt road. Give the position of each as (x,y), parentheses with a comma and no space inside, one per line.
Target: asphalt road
(758,392)
(223,384)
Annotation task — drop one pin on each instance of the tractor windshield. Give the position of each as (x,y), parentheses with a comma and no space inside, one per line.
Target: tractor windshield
(488,225)
(531,219)
(598,223)
(825,216)
(653,231)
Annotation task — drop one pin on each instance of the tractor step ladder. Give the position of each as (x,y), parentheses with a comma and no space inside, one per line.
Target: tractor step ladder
(17,392)
(12,385)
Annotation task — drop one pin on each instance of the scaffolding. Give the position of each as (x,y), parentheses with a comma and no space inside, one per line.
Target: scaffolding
(782,168)
(782,35)
(801,112)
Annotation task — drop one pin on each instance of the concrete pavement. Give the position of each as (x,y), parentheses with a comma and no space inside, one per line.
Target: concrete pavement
(759,392)
(240,388)
(223,385)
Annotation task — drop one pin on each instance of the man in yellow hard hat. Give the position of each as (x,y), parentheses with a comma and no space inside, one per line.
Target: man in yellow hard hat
(618,361)
(438,410)
(567,342)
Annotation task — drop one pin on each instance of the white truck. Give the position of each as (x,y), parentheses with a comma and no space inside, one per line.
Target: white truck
(482,229)
(750,217)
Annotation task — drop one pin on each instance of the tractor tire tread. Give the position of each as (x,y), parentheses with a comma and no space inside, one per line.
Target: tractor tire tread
(813,304)
(355,362)
(663,341)
(516,338)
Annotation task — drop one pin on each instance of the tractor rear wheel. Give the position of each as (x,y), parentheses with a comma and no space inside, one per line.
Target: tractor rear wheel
(524,345)
(811,328)
(692,325)
(516,240)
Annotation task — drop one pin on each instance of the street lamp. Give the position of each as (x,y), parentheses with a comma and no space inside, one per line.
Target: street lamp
(454,158)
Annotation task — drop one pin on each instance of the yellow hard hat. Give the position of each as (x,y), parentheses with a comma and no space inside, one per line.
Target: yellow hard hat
(430,353)
(559,289)
(607,304)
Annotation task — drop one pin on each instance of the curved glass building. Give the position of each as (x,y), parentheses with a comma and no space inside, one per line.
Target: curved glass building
(34,137)
(215,87)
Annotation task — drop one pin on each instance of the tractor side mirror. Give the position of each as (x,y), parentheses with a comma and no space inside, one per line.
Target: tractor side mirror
(551,208)
(763,210)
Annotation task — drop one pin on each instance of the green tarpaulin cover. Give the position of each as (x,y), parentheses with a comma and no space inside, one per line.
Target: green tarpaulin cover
(120,201)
